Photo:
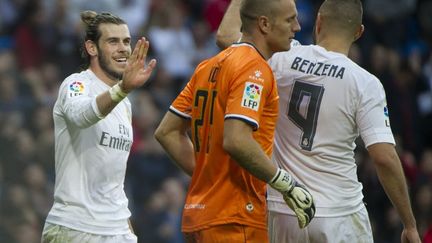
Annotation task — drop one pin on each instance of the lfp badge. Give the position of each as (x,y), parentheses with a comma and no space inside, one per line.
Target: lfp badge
(252,96)
(76,88)
(386,114)
(386,111)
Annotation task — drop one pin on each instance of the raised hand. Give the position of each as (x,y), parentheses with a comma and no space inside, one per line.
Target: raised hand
(137,72)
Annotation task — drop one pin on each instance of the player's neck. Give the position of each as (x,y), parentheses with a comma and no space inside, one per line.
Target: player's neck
(335,45)
(259,45)
(97,70)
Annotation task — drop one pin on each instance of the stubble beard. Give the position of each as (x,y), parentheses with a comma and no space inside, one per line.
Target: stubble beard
(104,64)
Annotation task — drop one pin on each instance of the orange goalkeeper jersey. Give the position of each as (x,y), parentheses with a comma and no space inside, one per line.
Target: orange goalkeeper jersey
(235,84)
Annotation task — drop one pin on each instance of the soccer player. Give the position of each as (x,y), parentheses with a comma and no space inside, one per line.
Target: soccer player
(231,106)
(93,136)
(326,101)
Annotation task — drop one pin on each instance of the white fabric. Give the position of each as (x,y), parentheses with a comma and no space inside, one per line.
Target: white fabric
(352,103)
(59,234)
(90,159)
(352,228)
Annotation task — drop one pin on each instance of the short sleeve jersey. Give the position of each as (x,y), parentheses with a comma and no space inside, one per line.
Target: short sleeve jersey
(235,84)
(326,102)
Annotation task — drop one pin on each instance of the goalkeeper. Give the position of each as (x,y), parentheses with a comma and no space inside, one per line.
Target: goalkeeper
(231,106)
(326,101)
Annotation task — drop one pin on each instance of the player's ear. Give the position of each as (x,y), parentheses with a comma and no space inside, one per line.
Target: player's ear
(264,24)
(91,48)
(359,32)
(318,23)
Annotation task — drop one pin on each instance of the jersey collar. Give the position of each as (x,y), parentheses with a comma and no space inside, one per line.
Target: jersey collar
(236,44)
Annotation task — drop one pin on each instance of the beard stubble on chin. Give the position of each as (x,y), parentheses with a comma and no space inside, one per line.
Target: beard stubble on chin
(104,64)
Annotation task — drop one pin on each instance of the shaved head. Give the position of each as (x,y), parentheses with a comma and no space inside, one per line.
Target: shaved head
(342,15)
(250,10)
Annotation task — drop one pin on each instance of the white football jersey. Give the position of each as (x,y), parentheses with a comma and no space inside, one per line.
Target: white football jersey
(91,152)
(326,102)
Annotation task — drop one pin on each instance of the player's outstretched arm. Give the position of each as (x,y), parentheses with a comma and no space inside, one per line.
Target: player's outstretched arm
(172,135)
(390,174)
(242,147)
(229,29)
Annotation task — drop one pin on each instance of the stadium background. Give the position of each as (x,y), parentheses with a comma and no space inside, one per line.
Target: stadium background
(39,47)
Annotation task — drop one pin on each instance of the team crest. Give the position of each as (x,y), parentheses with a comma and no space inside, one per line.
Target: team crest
(252,96)
(76,88)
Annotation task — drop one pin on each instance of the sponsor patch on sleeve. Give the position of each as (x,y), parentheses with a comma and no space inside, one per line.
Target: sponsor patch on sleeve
(76,88)
(252,96)
(386,114)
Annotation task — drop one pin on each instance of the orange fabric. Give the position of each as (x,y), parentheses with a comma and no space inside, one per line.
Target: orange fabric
(231,233)
(237,83)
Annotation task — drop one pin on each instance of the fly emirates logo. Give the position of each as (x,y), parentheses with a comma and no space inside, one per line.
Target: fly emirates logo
(122,142)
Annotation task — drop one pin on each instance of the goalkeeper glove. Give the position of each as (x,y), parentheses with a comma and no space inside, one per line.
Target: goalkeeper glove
(296,196)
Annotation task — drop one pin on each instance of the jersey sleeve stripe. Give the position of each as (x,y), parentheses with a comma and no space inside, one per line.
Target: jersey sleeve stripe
(246,119)
(179,113)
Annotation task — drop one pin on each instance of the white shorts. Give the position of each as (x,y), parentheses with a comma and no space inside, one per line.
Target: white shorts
(53,233)
(353,228)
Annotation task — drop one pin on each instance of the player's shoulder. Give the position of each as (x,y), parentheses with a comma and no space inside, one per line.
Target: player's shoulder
(360,73)
(203,64)
(76,83)
(81,77)
(237,55)
(246,56)
(361,80)
(244,52)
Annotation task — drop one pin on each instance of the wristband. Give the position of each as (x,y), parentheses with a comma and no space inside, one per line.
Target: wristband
(282,181)
(116,93)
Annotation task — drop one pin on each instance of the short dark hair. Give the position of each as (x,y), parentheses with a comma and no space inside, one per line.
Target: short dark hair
(92,21)
(346,15)
(250,10)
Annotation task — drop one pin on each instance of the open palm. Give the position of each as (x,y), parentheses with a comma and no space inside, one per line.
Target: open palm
(137,72)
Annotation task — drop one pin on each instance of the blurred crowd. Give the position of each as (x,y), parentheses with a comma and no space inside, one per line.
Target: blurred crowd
(40,43)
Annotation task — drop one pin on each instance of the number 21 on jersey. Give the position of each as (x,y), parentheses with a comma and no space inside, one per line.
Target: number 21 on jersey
(204,100)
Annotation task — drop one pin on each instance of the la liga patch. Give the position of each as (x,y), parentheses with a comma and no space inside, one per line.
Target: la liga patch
(252,96)
(76,88)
